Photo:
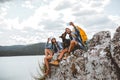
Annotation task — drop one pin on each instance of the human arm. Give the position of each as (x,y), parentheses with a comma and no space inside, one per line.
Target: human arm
(48,45)
(75,27)
(60,46)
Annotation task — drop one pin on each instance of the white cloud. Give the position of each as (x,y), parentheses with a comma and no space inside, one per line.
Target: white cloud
(2,1)
(51,17)
(63,5)
(3,10)
(115,19)
(30,38)
(28,4)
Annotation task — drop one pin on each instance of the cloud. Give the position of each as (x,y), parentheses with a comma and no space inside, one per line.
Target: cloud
(28,4)
(115,19)
(50,18)
(94,23)
(84,12)
(3,10)
(2,1)
(63,5)
(98,3)
(56,24)
(98,19)
(27,36)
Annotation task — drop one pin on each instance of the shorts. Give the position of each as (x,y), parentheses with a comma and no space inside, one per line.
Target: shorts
(55,56)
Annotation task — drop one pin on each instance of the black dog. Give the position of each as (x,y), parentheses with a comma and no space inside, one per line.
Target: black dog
(66,42)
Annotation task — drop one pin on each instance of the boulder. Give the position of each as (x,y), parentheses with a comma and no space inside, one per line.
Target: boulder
(100,62)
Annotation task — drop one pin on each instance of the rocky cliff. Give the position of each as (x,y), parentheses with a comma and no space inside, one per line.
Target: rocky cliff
(100,62)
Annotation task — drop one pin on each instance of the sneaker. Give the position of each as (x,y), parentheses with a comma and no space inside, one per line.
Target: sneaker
(56,63)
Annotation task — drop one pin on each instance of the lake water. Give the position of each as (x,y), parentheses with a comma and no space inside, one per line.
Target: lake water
(20,67)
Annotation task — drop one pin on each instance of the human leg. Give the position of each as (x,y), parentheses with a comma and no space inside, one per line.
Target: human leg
(62,53)
(46,60)
(56,62)
(48,56)
(73,43)
(48,52)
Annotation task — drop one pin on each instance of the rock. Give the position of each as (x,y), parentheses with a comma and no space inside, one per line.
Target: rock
(116,37)
(69,69)
(99,65)
(115,51)
(100,62)
(100,38)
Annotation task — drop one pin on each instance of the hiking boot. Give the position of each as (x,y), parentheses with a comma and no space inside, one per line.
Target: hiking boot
(55,62)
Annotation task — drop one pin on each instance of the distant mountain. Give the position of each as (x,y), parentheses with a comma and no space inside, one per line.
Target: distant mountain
(22,50)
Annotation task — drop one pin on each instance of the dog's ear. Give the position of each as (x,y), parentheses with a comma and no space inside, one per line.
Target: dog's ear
(60,36)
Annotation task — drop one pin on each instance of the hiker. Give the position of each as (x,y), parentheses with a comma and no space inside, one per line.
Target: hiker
(66,44)
(78,37)
(51,49)
(75,41)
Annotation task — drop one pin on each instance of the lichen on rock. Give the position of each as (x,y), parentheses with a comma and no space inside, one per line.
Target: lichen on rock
(100,62)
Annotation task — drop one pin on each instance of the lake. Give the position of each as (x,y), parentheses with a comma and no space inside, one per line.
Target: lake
(19,67)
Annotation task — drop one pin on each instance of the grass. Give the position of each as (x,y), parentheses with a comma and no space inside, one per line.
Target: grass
(41,75)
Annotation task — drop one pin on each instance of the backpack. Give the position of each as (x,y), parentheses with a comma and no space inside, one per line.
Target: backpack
(82,34)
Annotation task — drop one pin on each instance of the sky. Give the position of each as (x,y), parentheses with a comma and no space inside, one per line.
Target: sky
(32,21)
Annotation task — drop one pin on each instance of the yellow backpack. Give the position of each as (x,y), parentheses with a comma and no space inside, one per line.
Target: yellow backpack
(82,34)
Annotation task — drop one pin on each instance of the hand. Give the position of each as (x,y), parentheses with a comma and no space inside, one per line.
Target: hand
(48,39)
(72,24)
(60,51)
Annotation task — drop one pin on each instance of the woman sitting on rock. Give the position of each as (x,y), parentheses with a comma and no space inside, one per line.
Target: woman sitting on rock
(52,50)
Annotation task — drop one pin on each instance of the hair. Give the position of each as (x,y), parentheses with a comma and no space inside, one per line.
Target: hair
(52,39)
(66,28)
(70,23)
